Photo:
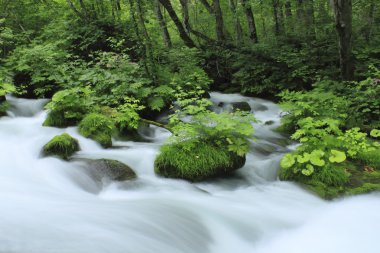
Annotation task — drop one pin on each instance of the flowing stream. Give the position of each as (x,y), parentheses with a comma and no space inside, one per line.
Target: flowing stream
(51,206)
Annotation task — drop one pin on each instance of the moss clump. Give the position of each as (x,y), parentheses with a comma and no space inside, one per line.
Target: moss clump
(365,188)
(99,128)
(3,108)
(370,158)
(200,162)
(62,146)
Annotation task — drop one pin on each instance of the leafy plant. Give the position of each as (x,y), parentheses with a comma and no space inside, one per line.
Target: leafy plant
(68,107)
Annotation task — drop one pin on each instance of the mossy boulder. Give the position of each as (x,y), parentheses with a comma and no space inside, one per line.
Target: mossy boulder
(62,146)
(242,106)
(348,178)
(3,106)
(202,161)
(99,128)
(111,169)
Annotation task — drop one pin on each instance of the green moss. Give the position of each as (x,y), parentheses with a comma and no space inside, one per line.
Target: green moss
(365,188)
(99,128)
(331,176)
(201,162)
(371,159)
(62,146)
(3,108)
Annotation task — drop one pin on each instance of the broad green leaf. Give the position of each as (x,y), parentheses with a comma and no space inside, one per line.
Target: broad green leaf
(288,161)
(337,156)
(308,170)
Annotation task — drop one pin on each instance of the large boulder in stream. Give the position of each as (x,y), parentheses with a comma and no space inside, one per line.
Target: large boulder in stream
(62,146)
(201,162)
(107,168)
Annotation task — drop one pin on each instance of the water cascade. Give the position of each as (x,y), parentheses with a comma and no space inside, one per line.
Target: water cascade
(48,205)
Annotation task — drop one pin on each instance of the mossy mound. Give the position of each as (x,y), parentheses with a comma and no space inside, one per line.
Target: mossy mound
(111,169)
(99,128)
(202,161)
(349,178)
(58,119)
(3,108)
(62,146)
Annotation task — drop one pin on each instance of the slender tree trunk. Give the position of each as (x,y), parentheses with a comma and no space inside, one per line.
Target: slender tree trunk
(343,22)
(370,21)
(147,43)
(310,18)
(181,30)
(276,16)
(162,23)
(185,14)
(238,28)
(263,18)
(288,9)
(218,21)
(250,20)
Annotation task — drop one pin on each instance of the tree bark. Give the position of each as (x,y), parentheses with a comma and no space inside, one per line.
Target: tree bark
(181,30)
(238,28)
(162,23)
(250,20)
(218,21)
(276,16)
(343,23)
(185,14)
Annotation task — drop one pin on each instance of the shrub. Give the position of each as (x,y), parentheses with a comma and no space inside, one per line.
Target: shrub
(62,146)
(99,128)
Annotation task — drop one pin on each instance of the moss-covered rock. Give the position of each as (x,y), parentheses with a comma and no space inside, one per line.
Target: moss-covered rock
(62,146)
(3,106)
(111,169)
(203,161)
(349,178)
(242,106)
(99,128)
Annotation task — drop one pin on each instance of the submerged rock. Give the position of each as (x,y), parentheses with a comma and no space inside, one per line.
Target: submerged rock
(204,161)
(111,169)
(62,146)
(242,106)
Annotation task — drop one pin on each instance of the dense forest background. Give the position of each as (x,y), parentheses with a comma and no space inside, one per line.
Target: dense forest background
(134,58)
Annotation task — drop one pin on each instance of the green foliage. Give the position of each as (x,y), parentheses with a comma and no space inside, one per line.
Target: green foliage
(35,67)
(97,127)
(203,162)
(68,107)
(316,104)
(365,188)
(62,146)
(126,115)
(6,88)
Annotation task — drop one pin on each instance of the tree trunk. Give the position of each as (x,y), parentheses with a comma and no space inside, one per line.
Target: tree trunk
(181,30)
(310,18)
(218,21)
(288,9)
(161,21)
(185,14)
(370,21)
(276,16)
(343,22)
(238,28)
(250,20)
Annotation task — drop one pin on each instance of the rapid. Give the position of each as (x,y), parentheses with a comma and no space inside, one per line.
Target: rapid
(48,205)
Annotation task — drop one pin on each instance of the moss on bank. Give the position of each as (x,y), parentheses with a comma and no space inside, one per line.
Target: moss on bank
(62,146)
(201,162)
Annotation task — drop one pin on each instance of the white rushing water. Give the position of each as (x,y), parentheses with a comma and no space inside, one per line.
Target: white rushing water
(51,206)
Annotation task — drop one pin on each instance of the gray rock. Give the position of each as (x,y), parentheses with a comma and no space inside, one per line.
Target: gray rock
(106,168)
